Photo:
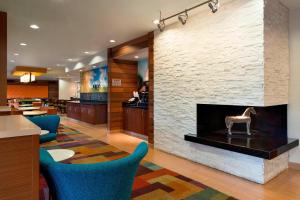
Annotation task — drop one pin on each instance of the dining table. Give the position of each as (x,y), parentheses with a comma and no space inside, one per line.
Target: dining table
(34,113)
(28,108)
(61,154)
(25,105)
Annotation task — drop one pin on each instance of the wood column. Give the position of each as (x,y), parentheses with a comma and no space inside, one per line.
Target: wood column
(126,71)
(3,58)
(151,88)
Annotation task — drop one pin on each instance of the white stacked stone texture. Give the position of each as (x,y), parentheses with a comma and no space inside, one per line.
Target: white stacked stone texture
(224,58)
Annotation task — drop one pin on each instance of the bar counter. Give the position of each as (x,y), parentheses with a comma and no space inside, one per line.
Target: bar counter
(88,111)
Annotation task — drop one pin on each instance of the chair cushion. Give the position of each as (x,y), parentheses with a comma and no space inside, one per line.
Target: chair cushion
(48,137)
(45,157)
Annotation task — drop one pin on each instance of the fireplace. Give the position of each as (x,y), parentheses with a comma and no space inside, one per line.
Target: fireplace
(267,122)
(268,130)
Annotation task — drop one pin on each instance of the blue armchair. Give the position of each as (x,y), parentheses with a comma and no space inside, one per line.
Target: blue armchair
(110,180)
(48,122)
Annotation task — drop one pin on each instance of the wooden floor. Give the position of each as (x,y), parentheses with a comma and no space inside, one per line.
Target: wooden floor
(284,187)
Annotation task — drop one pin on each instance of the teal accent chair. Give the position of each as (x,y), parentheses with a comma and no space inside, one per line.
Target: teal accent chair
(110,180)
(47,122)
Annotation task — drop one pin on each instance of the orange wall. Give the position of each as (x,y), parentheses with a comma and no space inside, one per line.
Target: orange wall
(27,91)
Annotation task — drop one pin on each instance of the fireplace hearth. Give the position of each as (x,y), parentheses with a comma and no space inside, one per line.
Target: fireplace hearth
(268,129)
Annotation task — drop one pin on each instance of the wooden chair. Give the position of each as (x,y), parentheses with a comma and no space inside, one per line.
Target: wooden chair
(50,110)
(37,104)
(62,106)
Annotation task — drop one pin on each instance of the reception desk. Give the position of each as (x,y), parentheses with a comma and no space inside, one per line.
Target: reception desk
(19,158)
(89,112)
(135,119)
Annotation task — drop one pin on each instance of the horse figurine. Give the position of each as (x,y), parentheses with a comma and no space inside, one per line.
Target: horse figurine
(244,118)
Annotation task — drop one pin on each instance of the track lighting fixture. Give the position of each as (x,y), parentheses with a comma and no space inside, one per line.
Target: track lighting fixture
(160,23)
(161,26)
(183,16)
(214,5)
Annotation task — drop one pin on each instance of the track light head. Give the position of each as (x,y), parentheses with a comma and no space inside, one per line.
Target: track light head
(214,5)
(161,26)
(160,23)
(183,18)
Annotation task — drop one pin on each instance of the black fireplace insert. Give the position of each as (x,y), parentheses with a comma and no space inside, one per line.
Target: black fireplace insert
(268,121)
(268,129)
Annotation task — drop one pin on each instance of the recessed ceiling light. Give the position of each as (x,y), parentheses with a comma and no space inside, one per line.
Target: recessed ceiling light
(70,59)
(16,54)
(80,70)
(23,44)
(34,26)
(156,21)
(12,61)
(136,57)
(112,41)
(86,52)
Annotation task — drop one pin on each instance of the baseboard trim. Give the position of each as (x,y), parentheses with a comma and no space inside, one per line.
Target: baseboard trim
(294,165)
(115,131)
(137,135)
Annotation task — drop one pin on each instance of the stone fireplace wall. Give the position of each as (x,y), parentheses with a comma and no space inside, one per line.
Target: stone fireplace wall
(276,53)
(221,58)
(294,100)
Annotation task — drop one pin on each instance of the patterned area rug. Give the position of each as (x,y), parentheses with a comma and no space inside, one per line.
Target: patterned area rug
(152,182)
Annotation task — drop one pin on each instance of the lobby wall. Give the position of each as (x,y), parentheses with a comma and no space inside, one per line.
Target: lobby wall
(27,91)
(294,98)
(37,89)
(215,59)
(67,89)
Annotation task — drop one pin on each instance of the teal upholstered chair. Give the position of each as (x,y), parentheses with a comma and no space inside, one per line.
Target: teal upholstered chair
(47,122)
(110,180)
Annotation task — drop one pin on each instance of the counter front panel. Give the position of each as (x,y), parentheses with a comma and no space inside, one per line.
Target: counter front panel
(93,113)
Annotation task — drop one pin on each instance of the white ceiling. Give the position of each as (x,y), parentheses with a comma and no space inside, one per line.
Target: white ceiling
(292,4)
(68,28)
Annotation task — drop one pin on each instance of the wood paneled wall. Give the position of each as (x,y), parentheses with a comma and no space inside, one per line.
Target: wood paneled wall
(3,57)
(53,90)
(127,73)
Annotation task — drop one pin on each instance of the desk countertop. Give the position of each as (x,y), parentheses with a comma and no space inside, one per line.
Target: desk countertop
(5,109)
(88,102)
(17,126)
